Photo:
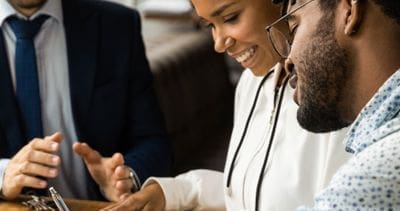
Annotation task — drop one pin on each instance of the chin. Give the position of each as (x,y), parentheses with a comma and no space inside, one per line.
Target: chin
(259,71)
(320,120)
(29,4)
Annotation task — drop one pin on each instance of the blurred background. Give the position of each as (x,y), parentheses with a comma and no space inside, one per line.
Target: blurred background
(195,85)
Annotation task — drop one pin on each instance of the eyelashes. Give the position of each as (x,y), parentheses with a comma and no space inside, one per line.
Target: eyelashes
(228,19)
(231,18)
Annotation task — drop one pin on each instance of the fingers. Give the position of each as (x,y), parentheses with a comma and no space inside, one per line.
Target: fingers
(56,137)
(35,159)
(109,173)
(117,182)
(102,169)
(41,151)
(116,160)
(49,144)
(122,172)
(44,158)
(124,186)
(124,196)
(35,169)
(87,153)
(129,203)
(20,181)
(15,180)
(150,198)
(30,181)
(124,183)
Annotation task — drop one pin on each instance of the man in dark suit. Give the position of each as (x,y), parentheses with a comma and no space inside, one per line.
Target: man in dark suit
(81,76)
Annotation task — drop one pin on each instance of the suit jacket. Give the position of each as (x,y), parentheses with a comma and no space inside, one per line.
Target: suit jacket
(113,100)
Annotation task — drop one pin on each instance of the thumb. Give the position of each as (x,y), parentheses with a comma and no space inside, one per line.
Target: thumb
(87,153)
(56,137)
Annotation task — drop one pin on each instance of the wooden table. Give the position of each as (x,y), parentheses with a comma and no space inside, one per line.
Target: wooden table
(73,204)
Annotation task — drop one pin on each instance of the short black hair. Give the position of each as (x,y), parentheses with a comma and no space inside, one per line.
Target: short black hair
(390,8)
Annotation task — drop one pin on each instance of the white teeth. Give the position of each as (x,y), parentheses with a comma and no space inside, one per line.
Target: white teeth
(246,55)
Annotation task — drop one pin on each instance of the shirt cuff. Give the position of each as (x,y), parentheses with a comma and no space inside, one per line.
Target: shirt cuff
(3,166)
(171,187)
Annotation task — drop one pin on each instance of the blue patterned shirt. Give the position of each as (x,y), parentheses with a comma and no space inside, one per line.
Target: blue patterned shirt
(371,180)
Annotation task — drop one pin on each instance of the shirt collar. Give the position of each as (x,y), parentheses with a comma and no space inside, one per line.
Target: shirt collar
(376,119)
(53,8)
(277,75)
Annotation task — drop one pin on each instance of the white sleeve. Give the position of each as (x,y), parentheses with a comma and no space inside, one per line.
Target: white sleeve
(3,165)
(197,189)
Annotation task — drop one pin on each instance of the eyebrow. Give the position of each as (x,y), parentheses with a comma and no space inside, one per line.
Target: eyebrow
(290,16)
(221,9)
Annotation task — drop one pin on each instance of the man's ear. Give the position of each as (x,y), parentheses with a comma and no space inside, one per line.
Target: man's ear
(354,16)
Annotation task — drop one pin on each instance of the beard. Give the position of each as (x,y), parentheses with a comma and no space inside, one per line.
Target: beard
(324,75)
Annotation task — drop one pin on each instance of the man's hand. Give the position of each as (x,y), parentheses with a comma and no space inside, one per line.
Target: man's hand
(38,158)
(150,198)
(109,173)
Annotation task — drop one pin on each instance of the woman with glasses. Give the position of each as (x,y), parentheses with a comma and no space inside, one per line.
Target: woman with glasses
(272,163)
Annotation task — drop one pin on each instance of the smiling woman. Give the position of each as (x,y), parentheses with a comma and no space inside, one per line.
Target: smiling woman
(236,27)
(272,163)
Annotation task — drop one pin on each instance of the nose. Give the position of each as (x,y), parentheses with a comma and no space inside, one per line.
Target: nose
(289,66)
(222,42)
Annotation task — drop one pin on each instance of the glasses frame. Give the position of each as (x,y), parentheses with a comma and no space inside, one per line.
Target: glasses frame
(284,17)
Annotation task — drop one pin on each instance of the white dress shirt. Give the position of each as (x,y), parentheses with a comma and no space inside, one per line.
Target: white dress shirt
(300,163)
(52,61)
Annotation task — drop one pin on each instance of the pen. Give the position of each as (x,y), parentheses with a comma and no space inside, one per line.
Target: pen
(58,200)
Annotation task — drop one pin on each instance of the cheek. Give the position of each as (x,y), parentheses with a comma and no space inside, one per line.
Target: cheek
(301,40)
(250,30)
(297,48)
(258,37)
(244,34)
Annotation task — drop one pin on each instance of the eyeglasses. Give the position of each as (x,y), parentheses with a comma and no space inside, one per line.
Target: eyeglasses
(279,40)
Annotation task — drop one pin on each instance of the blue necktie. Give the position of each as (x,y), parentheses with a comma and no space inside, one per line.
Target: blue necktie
(27,91)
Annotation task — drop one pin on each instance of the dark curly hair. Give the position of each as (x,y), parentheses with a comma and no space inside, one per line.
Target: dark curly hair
(390,8)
